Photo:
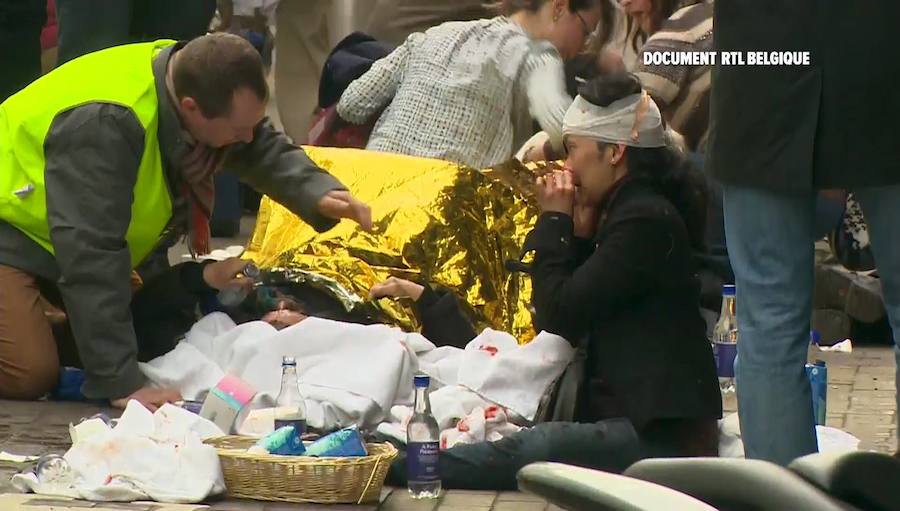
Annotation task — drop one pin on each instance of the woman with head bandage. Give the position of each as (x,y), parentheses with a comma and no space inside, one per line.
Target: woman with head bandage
(613,270)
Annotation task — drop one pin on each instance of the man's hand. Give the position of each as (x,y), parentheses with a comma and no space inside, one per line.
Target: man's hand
(340,204)
(220,274)
(151,398)
(555,192)
(396,288)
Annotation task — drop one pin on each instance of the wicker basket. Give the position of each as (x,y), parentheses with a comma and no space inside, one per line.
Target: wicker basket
(350,480)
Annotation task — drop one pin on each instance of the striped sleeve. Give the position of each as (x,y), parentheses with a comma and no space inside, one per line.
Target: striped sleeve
(544,82)
(689,29)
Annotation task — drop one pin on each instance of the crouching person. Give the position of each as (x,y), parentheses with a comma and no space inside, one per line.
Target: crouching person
(101,160)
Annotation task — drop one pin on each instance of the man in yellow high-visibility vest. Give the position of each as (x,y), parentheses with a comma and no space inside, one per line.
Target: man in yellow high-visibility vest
(102,160)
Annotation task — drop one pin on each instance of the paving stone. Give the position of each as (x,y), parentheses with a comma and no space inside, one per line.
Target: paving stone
(386,492)
(238,505)
(841,374)
(840,389)
(890,394)
(862,403)
(837,404)
(517,496)
(468,499)
(885,371)
(401,501)
(886,447)
(870,382)
(835,421)
(871,362)
(517,506)
(284,506)
(856,420)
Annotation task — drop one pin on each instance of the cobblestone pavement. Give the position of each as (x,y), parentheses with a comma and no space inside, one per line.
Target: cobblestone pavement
(860,401)
(861,396)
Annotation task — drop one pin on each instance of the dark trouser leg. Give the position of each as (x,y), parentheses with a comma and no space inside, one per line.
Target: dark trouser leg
(21,22)
(881,207)
(171,19)
(86,26)
(610,445)
(676,438)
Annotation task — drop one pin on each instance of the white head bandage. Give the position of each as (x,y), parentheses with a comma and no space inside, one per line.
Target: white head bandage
(633,120)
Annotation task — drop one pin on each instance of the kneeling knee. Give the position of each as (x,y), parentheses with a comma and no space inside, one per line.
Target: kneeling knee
(31,383)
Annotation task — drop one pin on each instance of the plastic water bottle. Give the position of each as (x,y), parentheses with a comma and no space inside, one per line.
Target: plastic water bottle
(725,340)
(54,473)
(423,446)
(290,407)
(235,294)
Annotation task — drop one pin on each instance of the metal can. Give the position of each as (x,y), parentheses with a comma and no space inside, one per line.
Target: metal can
(818,380)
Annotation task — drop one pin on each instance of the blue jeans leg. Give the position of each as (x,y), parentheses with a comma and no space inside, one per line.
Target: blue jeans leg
(770,244)
(881,208)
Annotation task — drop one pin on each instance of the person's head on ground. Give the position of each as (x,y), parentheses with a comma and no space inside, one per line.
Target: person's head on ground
(220,88)
(646,16)
(566,24)
(614,130)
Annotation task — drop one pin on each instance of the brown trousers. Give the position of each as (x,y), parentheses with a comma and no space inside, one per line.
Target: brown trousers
(31,324)
(35,338)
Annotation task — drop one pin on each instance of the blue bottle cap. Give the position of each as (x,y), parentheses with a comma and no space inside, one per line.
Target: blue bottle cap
(728,290)
(421,380)
(814,337)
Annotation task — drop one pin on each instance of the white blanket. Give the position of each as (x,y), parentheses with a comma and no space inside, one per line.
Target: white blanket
(493,370)
(353,373)
(349,373)
(731,444)
(158,456)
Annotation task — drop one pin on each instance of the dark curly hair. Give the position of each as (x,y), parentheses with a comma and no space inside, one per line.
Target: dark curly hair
(664,167)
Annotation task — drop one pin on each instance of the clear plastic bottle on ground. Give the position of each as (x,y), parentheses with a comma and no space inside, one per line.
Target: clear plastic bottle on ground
(423,446)
(725,340)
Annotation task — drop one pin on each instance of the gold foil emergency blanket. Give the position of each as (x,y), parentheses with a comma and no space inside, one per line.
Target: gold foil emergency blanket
(434,222)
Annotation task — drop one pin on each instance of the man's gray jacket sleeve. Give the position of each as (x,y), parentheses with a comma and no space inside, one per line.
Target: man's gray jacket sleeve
(274,166)
(93,153)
